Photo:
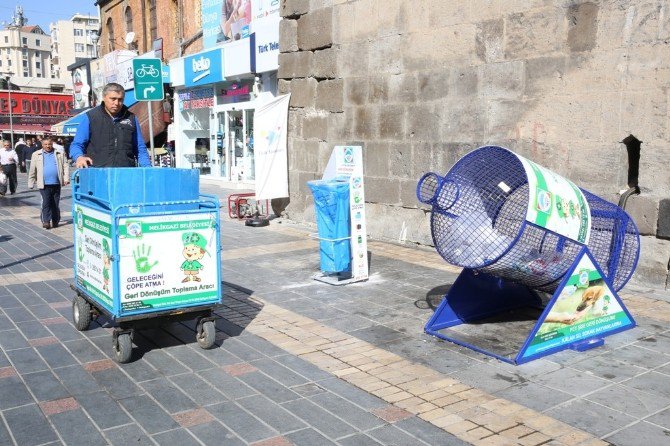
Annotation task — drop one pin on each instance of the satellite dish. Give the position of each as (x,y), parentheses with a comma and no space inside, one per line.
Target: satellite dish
(129,37)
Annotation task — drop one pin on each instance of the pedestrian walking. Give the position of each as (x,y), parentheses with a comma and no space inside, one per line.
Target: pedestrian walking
(20,148)
(49,170)
(31,147)
(109,135)
(9,160)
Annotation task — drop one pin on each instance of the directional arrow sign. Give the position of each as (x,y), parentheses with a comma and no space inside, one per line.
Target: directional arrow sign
(148,79)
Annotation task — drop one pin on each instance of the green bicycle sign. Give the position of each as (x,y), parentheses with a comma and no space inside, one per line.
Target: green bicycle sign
(148,79)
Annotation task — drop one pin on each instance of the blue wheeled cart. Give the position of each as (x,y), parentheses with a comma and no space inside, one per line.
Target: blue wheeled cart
(146,251)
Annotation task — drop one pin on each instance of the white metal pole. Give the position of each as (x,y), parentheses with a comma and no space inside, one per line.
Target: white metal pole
(151,132)
(11,119)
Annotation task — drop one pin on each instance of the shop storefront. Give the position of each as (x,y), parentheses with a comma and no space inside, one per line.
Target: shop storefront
(216,94)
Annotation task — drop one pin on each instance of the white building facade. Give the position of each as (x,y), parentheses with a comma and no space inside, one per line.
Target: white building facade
(72,39)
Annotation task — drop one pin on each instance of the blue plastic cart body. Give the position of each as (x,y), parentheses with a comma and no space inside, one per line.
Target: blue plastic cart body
(147,245)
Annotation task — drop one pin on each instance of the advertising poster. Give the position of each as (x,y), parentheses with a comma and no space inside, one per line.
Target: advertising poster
(168,261)
(586,308)
(225,20)
(93,251)
(80,87)
(556,203)
(271,156)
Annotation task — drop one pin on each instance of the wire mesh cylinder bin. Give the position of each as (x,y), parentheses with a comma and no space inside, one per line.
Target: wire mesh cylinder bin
(501,214)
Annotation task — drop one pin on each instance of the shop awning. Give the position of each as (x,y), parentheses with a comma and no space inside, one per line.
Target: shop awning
(26,128)
(69,126)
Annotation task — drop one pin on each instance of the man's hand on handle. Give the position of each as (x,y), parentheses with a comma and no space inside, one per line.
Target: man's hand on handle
(83,162)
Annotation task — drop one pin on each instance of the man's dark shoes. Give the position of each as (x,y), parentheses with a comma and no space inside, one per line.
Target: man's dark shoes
(46,225)
(54,224)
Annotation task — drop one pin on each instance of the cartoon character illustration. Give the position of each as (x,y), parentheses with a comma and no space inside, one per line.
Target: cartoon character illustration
(194,250)
(106,263)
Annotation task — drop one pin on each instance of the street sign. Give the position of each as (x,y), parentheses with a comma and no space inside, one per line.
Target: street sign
(148,79)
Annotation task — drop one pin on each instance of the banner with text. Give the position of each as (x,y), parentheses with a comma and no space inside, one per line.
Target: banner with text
(168,261)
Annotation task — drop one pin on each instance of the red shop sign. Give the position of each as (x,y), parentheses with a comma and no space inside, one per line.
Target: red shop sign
(36,103)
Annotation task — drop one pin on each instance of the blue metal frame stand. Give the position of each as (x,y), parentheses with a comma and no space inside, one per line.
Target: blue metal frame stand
(583,310)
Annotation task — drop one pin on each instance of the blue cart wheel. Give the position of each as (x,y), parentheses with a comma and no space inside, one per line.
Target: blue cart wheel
(206,336)
(123,348)
(81,313)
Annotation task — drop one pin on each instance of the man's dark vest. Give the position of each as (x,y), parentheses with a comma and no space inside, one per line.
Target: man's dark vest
(111,141)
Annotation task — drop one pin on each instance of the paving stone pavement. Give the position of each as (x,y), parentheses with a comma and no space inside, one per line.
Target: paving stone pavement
(298,362)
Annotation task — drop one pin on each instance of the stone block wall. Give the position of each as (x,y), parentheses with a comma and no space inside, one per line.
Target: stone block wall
(421,83)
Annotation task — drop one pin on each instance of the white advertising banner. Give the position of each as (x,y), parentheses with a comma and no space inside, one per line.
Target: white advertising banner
(270,151)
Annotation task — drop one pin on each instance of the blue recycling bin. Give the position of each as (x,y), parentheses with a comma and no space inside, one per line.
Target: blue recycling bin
(331,203)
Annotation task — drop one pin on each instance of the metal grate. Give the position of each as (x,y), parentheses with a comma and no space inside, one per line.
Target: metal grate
(478,222)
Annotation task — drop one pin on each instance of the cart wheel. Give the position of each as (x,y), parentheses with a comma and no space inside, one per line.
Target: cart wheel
(81,313)
(206,337)
(123,347)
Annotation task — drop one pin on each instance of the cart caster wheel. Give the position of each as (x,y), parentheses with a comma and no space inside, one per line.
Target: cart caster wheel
(206,335)
(123,348)
(81,313)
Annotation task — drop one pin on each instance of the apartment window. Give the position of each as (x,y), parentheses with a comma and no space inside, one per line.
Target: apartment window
(0,62)
(78,47)
(25,64)
(92,23)
(110,34)
(38,42)
(6,39)
(37,54)
(38,64)
(153,22)
(78,32)
(89,50)
(9,63)
(25,74)
(24,51)
(129,19)
(38,74)
(24,40)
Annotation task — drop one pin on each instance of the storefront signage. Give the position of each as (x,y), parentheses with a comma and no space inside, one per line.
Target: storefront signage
(235,92)
(265,8)
(203,68)
(237,58)
(265,45)
(36,104)
(196,98)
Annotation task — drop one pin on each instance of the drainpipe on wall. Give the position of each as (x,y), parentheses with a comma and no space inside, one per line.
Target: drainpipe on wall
(183,45)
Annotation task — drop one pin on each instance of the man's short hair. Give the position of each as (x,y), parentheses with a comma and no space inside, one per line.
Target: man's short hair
(113,86)
(48,138)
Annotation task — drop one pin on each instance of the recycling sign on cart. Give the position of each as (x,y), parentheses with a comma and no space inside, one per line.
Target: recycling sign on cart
(148,79)
(167,261)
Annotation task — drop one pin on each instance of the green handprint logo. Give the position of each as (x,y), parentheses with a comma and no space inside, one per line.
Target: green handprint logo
(142,262)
